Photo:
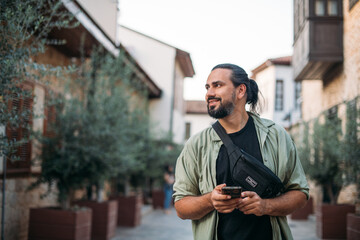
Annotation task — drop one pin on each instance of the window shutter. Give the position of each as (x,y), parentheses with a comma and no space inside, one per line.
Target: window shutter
(22,163)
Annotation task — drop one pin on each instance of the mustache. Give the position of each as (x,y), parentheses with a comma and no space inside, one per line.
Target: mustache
(213,98)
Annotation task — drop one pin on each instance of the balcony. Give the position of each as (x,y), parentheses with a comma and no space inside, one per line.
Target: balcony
(318,38)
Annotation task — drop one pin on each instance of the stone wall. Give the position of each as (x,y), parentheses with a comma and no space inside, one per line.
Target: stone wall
(18,201)
(351,50)
(344,85)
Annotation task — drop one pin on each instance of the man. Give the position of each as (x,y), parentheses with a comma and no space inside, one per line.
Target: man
(202,168)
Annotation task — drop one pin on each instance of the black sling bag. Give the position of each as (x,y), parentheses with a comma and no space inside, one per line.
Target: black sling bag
(247,171)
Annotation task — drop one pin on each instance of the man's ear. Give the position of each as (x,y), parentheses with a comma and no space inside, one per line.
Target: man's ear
(241,91)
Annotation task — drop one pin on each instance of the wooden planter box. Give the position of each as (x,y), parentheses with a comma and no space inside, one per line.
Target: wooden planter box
(129,210)
(303,213)
(104,218)
(331,220)
(158,197)
(353,226)
(53,223)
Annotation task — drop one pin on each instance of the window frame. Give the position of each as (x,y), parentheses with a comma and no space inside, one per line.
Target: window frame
(279,95)
(326,8)
(297,93)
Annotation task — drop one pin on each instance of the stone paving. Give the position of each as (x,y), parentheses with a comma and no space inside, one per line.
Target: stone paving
(304,229)
(156,225)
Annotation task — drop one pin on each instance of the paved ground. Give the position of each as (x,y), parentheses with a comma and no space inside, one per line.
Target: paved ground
(304,229)
(156,225)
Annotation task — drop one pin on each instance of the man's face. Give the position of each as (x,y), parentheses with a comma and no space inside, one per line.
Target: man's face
(220,96)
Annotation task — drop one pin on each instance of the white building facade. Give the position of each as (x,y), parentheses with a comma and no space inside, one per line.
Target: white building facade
(167,66)
(280,100)
(197,118)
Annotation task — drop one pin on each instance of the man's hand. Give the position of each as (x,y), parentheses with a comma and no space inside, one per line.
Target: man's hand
(196,207)
(221,202)
(251,203)
(286,203)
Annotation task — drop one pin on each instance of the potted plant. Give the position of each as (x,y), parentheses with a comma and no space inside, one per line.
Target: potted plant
(62,167)
(325,166)
(127,184)
(101,137)
(351,153)
(89,138)
(25,26)
(304,154)
(163,152)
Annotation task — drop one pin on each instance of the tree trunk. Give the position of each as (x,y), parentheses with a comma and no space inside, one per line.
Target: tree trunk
(127,186)
(99,192)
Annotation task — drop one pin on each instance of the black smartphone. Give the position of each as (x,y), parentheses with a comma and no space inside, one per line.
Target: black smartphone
(234,191)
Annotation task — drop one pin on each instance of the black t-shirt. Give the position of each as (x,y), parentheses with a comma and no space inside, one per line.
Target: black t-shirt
(236,225)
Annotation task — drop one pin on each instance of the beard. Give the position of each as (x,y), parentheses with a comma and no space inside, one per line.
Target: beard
(225,108)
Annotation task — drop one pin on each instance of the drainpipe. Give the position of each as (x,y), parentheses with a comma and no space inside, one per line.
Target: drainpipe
(3,198)
(3,191)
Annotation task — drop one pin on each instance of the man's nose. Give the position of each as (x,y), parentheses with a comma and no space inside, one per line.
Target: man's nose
(210,92)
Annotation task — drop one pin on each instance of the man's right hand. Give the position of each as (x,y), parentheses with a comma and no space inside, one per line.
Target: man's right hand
(221,202)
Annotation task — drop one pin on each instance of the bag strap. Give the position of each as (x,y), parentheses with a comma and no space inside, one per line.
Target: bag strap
(233,151)
(223,135)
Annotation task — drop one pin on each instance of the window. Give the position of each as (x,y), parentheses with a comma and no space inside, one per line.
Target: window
(297,95)
(327,8)
(20,160)
(332,113)
(319,7)
(279,95)
(187,130)
(332,8)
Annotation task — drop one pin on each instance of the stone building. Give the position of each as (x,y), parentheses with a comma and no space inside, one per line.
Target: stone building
(20,174)
(326,60)
(167,66)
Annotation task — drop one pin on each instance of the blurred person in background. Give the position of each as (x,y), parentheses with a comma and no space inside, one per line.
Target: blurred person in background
(168,187)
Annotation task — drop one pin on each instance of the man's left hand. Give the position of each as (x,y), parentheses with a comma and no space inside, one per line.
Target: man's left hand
(251,203)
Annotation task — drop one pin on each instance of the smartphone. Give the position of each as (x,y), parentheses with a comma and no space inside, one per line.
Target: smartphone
(234,191)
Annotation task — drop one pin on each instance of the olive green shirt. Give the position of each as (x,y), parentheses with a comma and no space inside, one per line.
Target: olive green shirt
(196,172)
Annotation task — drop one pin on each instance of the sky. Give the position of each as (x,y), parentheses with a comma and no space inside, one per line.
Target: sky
(242,32)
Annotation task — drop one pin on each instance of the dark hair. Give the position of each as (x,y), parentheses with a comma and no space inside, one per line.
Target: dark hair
(239,76)
(167,169)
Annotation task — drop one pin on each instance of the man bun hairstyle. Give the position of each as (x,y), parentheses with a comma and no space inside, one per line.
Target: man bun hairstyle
(239,76)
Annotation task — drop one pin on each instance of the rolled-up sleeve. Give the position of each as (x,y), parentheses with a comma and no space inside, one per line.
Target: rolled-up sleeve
(186,174)
(296,175)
